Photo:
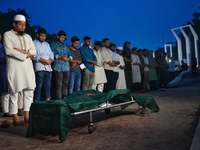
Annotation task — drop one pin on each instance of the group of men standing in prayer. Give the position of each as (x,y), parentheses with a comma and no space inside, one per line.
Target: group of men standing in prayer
(27,66)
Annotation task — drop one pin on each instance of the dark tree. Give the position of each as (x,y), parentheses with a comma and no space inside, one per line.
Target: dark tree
(51,38)
(6,20)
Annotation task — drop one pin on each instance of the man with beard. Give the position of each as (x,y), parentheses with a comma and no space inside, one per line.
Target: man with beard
(146,70)
(165,71)
(159,69)
(62,56)
(108,58)
(4,84)
(127,59)
(99,74)
(136,75)
(75,71)
(42,63)
(142,65)
(20,51)
(121,82)
(152,71)
(89,60)
(116,63)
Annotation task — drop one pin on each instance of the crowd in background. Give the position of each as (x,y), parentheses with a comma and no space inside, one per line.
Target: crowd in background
(30,68)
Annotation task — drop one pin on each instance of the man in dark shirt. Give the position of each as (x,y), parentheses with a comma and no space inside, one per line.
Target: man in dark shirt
(75,71)
(127,59)
(160,68)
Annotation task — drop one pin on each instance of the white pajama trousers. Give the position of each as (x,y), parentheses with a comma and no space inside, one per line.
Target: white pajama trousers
(27,100)
(98,87)
(5,98)
(20,100)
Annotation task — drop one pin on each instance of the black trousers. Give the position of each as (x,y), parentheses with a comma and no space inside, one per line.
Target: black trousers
(109,85)
(162,78)
(136,87)
(61,83)
(115,78)
(128,76)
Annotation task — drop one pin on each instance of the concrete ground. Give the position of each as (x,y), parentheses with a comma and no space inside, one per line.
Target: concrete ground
(172,128)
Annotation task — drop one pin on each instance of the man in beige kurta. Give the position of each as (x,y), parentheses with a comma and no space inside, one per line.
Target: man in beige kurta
(20,51)
(121,82)
(99,74)
(108,57)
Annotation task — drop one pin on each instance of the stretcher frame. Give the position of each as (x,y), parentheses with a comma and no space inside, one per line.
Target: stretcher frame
(142,111)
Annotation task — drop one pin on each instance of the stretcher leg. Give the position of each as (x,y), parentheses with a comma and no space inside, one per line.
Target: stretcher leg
(107,111)
(142,111)
(90,125)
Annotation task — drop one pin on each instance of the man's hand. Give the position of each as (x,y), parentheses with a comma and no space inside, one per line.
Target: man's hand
(73,65)
(147,65)
(66,59)
(79,61)
(121,67)
(49,61)
(93,63)
(127,60)
(111,64)
(21,51)
(29,55)
(116,62)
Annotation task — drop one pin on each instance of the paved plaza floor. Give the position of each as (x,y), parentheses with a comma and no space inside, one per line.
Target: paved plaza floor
(172,128)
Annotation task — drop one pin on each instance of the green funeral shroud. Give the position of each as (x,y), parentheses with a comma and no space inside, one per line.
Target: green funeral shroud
(54,117)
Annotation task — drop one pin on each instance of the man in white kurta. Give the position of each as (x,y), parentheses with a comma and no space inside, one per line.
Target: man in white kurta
(146,70)
(99,74)
(121,82)
(136,77)
(115,67)
(107,56)
(20,51)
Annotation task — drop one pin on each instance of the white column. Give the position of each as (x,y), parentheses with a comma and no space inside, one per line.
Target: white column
(195,43)
(180,54)
(170,49)
(188,50)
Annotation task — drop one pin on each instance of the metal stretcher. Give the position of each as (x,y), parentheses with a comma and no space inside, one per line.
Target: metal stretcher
(54,117)
(107,106)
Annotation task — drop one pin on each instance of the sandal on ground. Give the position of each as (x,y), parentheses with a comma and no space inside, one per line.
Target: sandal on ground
(26,121)
(20,123)
(7,115)
(5,124)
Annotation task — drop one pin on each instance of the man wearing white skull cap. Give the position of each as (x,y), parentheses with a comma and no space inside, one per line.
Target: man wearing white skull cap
(20,51)
(19,18)
(121,82)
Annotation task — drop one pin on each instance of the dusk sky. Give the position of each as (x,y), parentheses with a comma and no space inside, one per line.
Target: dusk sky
(145,23)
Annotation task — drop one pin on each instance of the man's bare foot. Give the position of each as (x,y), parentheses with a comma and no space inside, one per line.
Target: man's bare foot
(20,123)
(26,116)
(17,121)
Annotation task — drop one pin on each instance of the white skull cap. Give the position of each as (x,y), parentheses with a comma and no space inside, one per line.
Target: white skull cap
(19,18)
(120,48)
